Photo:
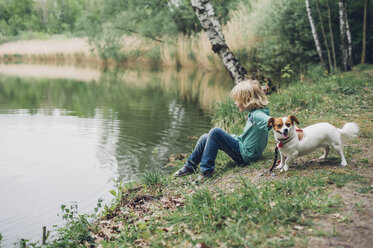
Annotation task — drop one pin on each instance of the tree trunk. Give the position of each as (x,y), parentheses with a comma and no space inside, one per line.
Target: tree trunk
(314,34)
(349,41)
(210,24)
(364,50)
(324,35)
(331,36)
(344,40)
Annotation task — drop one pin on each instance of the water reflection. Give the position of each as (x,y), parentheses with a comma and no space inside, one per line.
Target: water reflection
(64,140)
(192,86)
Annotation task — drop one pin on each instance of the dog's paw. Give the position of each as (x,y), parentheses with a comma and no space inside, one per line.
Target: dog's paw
(344,163)
(322,157)
(279,166)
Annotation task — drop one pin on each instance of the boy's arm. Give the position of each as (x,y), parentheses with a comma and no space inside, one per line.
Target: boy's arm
(261,120)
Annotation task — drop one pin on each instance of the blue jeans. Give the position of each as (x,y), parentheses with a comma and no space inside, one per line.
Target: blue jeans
(207,148)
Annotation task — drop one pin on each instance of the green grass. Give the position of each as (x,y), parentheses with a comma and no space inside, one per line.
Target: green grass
(152,178)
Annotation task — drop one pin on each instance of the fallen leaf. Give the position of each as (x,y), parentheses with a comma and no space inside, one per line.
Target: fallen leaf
(286,238)
(190,233)
(337,215)
(202,245)
(299,228)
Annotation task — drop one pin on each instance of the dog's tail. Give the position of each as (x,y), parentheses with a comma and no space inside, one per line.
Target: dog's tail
(349,130)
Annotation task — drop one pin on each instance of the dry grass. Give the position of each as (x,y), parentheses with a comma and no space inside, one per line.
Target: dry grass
(68,51)
(50,71)
(46,47)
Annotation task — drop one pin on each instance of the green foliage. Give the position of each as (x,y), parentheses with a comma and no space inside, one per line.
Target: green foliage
(118,194)
(13,15)
(50,16)
(287,72)
(151,19)
(152,178)
(77,228)
(285,37)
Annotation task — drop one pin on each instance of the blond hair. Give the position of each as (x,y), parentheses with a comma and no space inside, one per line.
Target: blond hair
(250,94)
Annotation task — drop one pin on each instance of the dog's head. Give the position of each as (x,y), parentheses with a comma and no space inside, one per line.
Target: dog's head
(283,126)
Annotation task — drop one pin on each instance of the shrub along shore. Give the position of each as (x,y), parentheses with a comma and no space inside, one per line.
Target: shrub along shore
(315,203)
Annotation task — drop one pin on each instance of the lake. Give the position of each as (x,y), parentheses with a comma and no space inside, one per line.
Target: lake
(67,132)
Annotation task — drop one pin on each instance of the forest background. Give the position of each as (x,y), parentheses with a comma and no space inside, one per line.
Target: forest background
(273,36)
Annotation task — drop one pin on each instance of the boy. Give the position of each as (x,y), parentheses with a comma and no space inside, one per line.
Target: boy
(243,149)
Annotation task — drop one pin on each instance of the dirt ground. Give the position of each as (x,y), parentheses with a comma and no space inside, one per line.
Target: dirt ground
(353,225)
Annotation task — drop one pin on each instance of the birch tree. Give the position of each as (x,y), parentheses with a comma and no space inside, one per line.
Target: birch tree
(210,24)
(345,37)
(314,34)
(349,40)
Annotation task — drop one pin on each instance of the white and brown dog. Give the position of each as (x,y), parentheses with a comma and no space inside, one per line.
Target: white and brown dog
(293,142)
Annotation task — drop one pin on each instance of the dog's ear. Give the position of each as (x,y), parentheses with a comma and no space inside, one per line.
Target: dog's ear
(271,122)
(293,119)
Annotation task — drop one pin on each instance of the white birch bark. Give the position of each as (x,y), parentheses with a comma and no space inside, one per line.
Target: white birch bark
(314,34)
(343,30)
(210,24)
(349,42)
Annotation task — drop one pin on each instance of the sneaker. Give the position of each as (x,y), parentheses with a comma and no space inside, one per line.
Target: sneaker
(184,171)
(203,177)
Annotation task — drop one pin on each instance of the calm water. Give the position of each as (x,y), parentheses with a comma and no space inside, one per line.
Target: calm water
(66,133)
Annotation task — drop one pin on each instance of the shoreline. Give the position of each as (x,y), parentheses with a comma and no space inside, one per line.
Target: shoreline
(70,51)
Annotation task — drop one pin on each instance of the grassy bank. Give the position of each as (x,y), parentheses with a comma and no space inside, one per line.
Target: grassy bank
(314,204)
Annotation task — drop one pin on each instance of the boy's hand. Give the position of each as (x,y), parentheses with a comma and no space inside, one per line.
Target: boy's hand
(265,88)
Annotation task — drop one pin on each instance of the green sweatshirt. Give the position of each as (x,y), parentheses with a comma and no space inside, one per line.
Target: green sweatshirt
(254,138)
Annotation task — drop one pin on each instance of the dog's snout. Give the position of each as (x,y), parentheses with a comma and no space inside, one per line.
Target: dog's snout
(286,130)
